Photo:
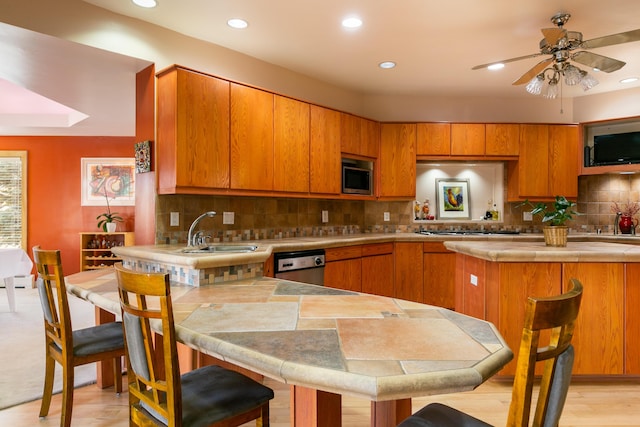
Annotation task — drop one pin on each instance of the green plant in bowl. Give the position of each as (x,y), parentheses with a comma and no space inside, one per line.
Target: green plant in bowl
(560,212)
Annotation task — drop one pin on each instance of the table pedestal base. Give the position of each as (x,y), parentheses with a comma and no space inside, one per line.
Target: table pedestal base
(314,408)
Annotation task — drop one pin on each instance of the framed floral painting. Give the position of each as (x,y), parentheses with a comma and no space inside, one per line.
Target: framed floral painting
(107,177)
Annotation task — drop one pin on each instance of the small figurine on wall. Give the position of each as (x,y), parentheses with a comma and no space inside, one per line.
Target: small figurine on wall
(416,210)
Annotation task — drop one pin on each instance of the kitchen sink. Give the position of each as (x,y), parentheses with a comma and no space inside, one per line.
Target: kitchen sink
(220,249)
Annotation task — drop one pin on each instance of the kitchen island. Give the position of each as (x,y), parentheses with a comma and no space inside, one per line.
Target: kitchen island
(493,280)
(326,342)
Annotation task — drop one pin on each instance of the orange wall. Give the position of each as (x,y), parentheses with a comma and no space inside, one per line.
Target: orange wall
(54,214)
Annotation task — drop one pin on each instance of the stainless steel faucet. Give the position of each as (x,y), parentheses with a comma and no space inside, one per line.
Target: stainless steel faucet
(195,240)
(616,223)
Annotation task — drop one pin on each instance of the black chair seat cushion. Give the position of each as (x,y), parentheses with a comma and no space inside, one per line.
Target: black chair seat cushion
(439,415)
(211,394)
(98,339)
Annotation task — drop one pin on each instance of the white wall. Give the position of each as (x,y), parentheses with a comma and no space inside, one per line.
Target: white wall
(485,181)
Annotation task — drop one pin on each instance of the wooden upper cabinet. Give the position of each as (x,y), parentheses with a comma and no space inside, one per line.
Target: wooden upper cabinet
(359,136)
(291,145)
(324,151)
(467,139)
(397,161)
(192,131)
(564,160)
(548,164)
(434,139)
(369,138)
(251,138)
(533,164)
(502,139)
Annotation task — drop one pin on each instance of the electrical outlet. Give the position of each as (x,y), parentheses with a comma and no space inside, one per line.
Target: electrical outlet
(387,216)
(228,217)
(325,216)
(174,220)
(527,216)
(473,279)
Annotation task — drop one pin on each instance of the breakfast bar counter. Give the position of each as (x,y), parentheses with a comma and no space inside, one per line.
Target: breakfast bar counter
(327,342)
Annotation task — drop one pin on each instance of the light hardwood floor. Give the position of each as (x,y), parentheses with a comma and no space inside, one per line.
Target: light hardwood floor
(601,404)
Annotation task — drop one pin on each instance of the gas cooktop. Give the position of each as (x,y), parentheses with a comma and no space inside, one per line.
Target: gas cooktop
(465,232)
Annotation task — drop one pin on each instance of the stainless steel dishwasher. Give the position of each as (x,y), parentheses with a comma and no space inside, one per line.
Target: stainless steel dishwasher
(300,266)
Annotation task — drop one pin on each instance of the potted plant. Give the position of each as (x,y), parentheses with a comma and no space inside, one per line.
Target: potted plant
(107,221)
(561,211)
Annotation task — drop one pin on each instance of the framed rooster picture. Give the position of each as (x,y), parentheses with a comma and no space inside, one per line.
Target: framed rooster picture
(452,198)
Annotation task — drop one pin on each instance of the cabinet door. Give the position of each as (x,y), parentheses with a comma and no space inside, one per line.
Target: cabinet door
(349,133)
(502,139)
(344,274)
(408,271)
(291,145)
(324,151)
(369,138)
(378,275)
(439,271)
(251,138)
(193,131)
(434,139)
(467,139)
(564,146)
(599,334)
(397,162)
(632,320)
(533,165)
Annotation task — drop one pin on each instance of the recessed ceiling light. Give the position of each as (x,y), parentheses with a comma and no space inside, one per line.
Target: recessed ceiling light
(629,80)
(146,3)
(387,64)
(237,23)
(497,66)
(352,22)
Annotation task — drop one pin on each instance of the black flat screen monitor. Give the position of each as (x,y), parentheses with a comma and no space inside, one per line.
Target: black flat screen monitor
(616,149)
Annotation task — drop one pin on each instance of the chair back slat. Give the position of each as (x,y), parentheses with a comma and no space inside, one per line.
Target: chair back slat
(557,314)
(154,379)
(53,297)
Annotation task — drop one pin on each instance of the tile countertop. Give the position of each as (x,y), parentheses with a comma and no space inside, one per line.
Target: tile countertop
(513,251)
(171,254)
(327,339)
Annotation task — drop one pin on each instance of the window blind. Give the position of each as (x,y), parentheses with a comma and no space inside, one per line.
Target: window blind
(12,200)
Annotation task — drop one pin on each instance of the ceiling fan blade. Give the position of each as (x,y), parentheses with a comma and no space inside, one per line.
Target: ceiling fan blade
(506,61)
(593,60)
(526,77)
(553,35)
(626,37)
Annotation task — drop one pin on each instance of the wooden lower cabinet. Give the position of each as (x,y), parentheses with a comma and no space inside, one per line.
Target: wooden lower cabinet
(439,269)
(606,338)
(343,268)
(362,268)
(378,269)
(408,271)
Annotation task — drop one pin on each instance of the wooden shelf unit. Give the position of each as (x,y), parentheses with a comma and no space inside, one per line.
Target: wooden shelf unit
(95,248)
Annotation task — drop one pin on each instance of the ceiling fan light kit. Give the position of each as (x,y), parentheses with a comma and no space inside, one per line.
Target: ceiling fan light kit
(545,77)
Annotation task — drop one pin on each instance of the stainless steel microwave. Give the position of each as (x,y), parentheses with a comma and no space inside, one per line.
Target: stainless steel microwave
(357,180)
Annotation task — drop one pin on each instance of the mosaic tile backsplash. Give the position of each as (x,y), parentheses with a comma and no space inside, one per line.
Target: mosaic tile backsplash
(259,218)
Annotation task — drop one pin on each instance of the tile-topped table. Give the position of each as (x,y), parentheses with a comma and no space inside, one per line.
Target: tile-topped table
(327,342)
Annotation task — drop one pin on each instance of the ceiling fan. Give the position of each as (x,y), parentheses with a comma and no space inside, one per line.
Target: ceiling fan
(560,44)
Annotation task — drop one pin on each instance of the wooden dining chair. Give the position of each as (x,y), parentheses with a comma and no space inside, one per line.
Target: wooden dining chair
(64,345)
(158,394)
(554,314)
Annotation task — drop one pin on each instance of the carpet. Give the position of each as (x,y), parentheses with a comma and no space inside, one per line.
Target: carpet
(22,347)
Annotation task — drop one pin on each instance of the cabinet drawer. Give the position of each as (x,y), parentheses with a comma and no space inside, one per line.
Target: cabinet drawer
(346,252)
(377,249)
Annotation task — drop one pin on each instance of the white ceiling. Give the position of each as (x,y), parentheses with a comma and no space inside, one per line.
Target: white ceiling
(434,43)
